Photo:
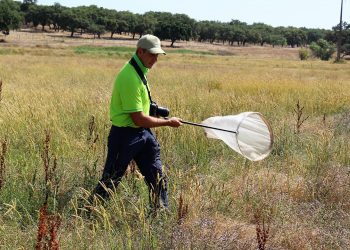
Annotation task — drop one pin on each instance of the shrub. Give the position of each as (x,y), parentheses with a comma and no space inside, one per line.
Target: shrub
(345,49)
(304,54)
(322,49)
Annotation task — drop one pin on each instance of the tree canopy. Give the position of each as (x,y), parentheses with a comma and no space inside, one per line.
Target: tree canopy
(10,16)
(167,26)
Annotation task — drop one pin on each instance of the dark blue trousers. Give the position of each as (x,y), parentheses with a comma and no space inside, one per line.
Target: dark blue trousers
(138,144)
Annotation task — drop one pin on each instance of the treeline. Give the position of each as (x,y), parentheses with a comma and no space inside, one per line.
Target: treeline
(167,26)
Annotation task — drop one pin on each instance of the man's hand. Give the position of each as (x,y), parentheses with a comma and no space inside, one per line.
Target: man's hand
(174,122)
(146,121)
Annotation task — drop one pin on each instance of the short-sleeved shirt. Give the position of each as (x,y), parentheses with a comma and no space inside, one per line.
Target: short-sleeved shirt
(129,95)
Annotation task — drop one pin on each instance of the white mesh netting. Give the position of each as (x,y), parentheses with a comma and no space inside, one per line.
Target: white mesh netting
(253,138)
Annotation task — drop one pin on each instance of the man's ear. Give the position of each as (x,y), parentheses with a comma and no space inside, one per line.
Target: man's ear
(139,52)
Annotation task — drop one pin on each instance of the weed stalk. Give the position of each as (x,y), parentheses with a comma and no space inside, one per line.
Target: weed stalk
(182,210)
(93,135)
(0,89)
(48,224)
(298,111)
(2,162)
(47,230)
(262,231)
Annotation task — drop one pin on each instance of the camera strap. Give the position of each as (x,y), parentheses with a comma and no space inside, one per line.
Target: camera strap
(141,75)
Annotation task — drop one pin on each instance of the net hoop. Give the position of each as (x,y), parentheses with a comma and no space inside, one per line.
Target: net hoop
(269,149)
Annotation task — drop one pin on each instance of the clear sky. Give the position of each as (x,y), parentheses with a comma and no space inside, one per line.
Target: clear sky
(298,13)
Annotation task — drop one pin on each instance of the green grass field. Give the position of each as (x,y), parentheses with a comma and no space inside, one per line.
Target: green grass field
(297,198)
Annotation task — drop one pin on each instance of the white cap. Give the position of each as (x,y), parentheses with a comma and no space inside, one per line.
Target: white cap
(151,44)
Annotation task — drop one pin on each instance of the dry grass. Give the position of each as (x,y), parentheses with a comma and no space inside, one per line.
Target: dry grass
(218,199)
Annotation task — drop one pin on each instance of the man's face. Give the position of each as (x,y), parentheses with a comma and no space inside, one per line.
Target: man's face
(147,59)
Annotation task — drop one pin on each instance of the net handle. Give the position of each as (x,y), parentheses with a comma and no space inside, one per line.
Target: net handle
(205,126)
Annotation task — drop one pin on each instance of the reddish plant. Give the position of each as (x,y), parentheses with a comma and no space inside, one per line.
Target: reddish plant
(42,228)
(0,88)
(48,225)
(47,230)
(262,231)
(54,224)
(2,162)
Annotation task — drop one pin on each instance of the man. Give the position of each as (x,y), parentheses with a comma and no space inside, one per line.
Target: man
(130,136)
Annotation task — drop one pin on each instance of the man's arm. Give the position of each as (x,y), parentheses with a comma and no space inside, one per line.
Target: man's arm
(145,121)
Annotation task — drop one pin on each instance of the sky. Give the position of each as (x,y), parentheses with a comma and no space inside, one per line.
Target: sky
(323,14)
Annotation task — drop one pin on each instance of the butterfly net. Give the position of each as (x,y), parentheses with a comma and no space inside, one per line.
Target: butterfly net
(253,138)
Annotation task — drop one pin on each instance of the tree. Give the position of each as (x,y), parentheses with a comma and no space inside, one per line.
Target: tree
(26,4)
(225,33)
(130,19)
(175,27)
(73,19)
(25,9)
(295,36)
(208,31)
(313,35)
(96,29)
(240,32)
(111,21)
(254,36)
(262,31)
(145,24)
(97,19)
(39,14)
(333,37)
(277,40)
(10,16)
(56,15)
(345,45)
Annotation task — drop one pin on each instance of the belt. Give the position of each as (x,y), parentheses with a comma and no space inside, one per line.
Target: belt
(128,128)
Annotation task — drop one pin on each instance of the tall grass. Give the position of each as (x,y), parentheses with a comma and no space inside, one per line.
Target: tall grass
(218,199)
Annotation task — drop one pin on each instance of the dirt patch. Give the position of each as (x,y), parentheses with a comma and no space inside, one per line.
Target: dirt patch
(51,39)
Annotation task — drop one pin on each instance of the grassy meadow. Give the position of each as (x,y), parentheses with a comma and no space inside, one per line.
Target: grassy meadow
(53,131)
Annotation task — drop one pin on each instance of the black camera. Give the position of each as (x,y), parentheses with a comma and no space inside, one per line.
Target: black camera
(156,111)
